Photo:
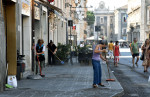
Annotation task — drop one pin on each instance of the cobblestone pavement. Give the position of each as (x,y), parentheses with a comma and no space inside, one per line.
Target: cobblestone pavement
(133,80)
(62,81)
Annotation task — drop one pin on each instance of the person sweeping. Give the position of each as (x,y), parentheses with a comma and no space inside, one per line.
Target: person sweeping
(97,56)
(40,57)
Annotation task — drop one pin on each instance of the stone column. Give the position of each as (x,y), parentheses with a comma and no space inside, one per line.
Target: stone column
(2,50)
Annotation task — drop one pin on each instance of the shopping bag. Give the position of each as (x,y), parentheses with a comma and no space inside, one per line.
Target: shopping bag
(12,81)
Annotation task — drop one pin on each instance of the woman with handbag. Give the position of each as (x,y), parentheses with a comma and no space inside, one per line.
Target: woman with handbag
(146,51)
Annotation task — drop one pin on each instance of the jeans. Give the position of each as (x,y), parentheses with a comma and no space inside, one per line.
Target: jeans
(97,71)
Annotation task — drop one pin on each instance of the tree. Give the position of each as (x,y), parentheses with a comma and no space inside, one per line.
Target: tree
(90,17)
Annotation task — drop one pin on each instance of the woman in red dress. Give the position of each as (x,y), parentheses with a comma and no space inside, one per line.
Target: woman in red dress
(116,54)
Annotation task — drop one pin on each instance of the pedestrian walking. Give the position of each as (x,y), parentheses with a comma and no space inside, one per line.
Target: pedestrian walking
(135,52)
(40,49)
(146,52)
(116,53)
(52,50)
(110,48)
(97,54)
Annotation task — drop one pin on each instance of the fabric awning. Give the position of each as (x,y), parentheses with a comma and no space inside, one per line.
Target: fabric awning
(50,6)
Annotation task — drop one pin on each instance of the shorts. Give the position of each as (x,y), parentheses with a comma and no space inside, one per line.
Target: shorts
(135,55)
(116,59)
(110,53)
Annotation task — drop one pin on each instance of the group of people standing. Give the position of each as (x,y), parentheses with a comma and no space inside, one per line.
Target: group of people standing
(40,54)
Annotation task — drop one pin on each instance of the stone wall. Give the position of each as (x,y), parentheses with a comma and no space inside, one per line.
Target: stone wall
(2,51)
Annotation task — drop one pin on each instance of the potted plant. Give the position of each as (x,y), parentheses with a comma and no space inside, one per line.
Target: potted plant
(62,52)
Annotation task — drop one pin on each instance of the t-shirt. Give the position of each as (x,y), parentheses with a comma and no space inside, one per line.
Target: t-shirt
(135,48)
(110,46)
(52,48)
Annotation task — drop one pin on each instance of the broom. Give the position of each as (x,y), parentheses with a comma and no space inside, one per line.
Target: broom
(62,62)
(109,74)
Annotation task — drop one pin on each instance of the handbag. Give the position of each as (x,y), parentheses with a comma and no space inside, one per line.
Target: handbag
(142,57)
(144,62)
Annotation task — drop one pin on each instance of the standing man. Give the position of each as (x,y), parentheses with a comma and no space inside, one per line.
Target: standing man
(51,51)
(135,52)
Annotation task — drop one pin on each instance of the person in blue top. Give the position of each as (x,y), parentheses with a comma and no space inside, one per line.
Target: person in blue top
(40,49)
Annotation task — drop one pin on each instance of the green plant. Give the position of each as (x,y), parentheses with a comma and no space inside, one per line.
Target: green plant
(63,51)
(82,49)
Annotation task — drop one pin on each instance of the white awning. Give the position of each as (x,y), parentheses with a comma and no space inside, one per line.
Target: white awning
(92,38)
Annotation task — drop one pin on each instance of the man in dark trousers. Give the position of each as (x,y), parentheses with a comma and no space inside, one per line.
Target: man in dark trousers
(51,51)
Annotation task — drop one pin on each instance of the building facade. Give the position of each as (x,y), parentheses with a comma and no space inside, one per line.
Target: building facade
(105,19)
(121,22)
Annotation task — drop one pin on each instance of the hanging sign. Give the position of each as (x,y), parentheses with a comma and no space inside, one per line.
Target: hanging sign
(36,13)
(26,7)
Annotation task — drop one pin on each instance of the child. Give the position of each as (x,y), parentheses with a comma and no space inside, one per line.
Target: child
(116,54)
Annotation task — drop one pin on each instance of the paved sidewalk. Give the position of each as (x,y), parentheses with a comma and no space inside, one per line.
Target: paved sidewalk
(66,81)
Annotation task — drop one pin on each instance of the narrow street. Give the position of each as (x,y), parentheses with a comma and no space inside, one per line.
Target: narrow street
(134,81)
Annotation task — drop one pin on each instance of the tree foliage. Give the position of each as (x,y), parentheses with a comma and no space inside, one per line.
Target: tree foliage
(90,17)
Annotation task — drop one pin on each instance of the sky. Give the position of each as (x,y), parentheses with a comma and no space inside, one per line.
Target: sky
(110,3)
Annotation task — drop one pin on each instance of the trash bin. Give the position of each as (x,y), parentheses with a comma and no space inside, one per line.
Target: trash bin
(20,66)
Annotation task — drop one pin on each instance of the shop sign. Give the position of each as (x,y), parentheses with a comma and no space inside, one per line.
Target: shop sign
(26,7)
(36,13)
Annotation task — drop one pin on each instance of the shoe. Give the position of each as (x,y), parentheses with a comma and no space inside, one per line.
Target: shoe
(95,86)
(136,64)
(101,85)
(145,70)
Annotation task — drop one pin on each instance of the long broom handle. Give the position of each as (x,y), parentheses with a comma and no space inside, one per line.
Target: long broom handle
(108,70)
(53,53)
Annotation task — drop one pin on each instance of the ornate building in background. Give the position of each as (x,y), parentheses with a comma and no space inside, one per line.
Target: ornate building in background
(105,19)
